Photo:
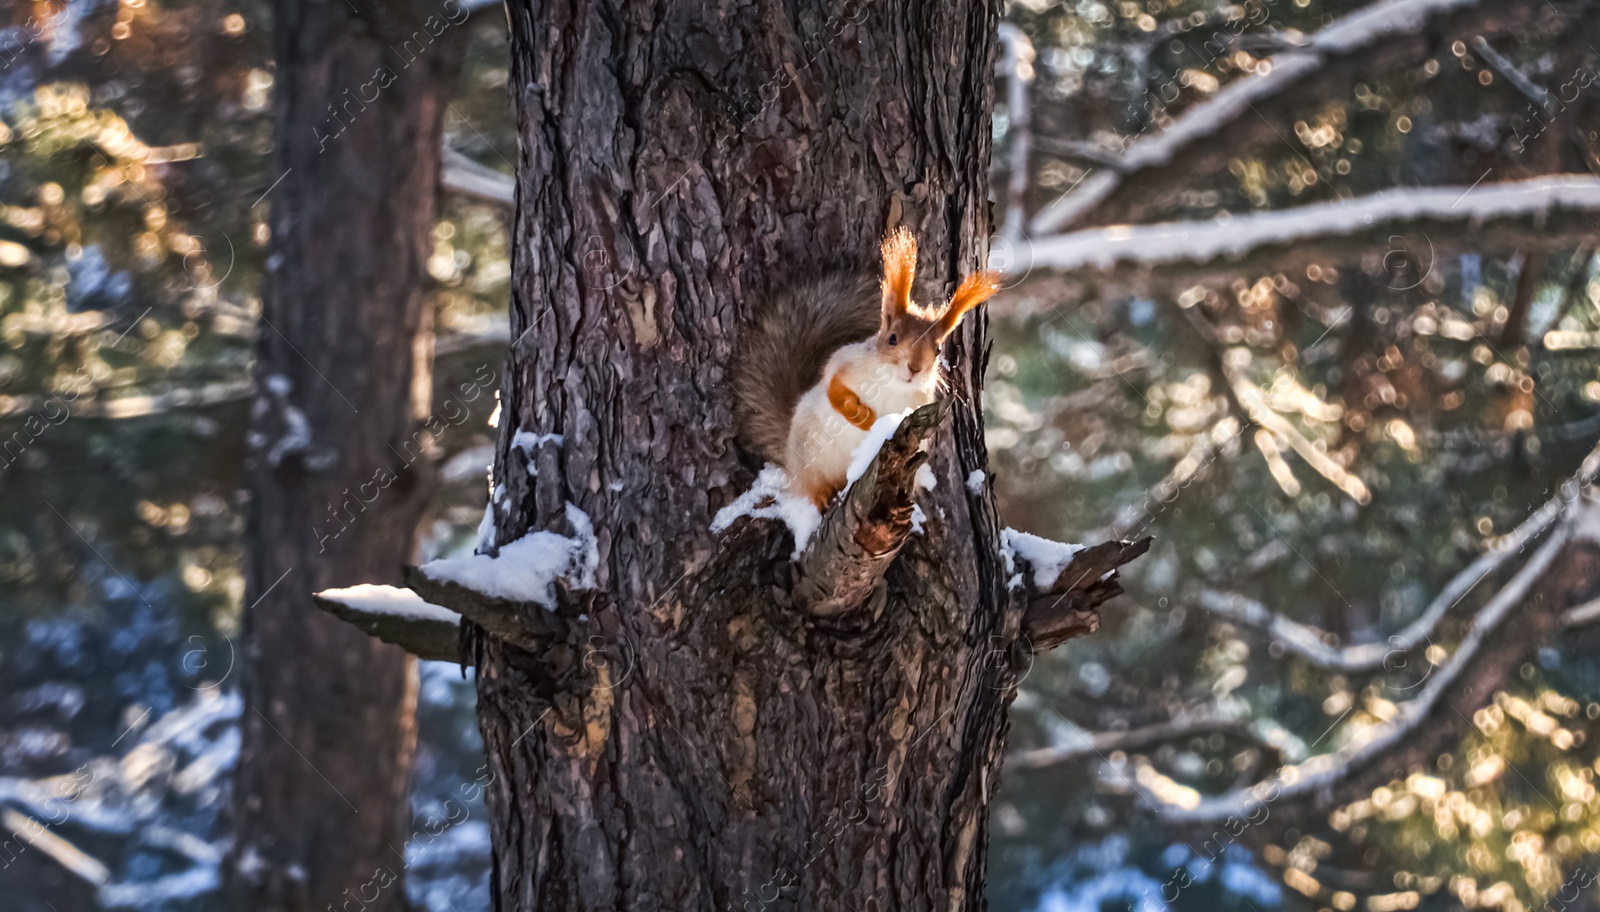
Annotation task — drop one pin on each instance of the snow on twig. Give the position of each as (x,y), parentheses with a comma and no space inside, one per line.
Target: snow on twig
(463,175)
(1233,237)
(1384,21)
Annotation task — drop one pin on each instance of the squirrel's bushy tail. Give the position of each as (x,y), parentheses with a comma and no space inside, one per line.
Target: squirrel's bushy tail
(783,353)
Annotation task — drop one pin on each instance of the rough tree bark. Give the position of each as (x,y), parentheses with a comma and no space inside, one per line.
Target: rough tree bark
(328,729)
(715,725)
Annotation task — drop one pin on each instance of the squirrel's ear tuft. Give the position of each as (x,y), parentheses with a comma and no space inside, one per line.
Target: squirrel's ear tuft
(899,270)
(974,290)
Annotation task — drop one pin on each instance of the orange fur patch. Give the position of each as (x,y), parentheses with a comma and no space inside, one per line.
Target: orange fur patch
(845,401)
(974,290)
(899,267)
(821,496)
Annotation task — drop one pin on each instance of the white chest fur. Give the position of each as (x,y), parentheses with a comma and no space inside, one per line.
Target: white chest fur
(822,441)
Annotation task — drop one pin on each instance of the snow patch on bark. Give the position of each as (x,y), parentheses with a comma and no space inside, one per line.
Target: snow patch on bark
(528,442)
(770,498)
(486,527)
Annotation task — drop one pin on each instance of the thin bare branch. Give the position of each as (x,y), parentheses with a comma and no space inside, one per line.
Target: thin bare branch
(1264,415)
(1195,463)
(1519,80)
(1583,615)
(48,840)
(1530,268)
(1080,151)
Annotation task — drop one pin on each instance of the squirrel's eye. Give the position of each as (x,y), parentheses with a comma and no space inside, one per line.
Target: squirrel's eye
(892,339)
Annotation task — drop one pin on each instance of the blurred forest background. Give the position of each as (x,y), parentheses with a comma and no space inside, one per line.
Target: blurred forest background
(1337,397)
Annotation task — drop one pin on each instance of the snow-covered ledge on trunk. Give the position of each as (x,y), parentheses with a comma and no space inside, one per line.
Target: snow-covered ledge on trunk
(398,616)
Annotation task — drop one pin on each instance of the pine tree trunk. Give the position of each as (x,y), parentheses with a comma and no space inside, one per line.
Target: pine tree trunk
(337,488)
(690,735)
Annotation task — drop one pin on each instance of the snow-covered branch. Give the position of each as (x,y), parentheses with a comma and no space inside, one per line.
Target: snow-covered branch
(1101,744)
(1560,207)
(463,175)
(164,768)
(398,616)
(1320,775)
(519,593)
(496,335)
(1567,564)
(131,405)
(1377,36)
(1312,644)
(1066,584)
(501,617)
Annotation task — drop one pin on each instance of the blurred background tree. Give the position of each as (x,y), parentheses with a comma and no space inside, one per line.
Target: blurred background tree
(341,461)
(1335,423)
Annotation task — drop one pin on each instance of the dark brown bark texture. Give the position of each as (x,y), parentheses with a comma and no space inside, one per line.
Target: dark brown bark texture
(699,740)
(321,792)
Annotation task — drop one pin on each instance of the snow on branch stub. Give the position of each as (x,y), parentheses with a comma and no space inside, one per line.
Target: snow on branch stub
(398,616)
(1062,600)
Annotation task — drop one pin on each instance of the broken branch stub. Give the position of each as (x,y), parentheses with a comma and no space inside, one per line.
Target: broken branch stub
(529,627)
(425,630)
(862,534)
(1067,609)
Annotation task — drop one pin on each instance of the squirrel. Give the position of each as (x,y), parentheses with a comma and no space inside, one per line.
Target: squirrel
(822,364)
